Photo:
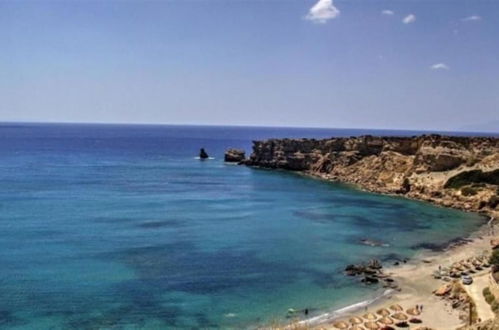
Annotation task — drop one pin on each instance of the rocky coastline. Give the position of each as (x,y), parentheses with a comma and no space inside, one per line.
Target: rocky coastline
(451,171)
(456,172)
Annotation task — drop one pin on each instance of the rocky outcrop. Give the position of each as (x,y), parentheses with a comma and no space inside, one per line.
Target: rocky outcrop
(234,155)
(371,273)
(417,167)
(203,154)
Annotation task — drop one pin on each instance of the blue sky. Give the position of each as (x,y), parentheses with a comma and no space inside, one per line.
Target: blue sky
(419,65)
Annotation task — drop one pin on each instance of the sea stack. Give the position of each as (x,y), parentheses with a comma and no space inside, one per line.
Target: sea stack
(234,155)
(203,154)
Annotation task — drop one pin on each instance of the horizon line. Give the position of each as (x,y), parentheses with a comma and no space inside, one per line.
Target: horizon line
(237,125)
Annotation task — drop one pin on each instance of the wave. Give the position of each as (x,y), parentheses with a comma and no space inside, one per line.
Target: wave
(338,313)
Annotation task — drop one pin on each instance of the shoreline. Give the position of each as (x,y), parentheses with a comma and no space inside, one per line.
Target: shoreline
(344,311)
(357,186)
(448,171)
(414,278)
(417,284)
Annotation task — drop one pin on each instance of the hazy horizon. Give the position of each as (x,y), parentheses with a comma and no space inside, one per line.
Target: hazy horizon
(244,126)
(398,65)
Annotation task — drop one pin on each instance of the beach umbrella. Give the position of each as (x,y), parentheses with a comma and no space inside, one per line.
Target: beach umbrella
(386,320)
(341,325)
(387,327)
(356,327)
(402,324)
(400,316)
(396,308)
(383,312)
(413,311)
(415,320)
(371,325)
(356,320)
(370,316)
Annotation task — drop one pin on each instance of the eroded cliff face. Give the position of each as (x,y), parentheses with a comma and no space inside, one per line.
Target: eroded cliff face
(417,167)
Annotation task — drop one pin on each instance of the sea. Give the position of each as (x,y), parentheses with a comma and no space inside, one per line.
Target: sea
(123,227)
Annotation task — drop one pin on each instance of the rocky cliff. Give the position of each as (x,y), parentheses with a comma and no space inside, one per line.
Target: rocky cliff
(461,172)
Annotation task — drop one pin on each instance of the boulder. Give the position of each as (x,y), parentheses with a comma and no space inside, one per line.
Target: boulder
(370,280)
(375,264)
(234,155)
(353,270)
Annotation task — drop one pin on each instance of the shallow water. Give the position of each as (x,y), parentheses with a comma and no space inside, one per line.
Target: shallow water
(120,226)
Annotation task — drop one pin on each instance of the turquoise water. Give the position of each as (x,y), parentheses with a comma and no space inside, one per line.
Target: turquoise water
(121,227)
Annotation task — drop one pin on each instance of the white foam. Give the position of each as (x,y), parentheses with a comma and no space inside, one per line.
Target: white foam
(335,314)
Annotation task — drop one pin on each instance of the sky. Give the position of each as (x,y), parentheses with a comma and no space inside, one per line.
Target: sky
(406,64)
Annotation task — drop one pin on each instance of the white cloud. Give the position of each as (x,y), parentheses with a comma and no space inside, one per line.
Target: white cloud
(440,66)
(387,12)
(411,18)
(322,11)
(472,18)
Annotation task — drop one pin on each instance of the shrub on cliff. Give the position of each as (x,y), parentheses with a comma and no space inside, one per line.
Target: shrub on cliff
(470,177)
(494,258)
(495,306)
(469,191)
(489,297)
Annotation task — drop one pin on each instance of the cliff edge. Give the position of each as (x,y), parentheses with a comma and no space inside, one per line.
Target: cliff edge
(459,172)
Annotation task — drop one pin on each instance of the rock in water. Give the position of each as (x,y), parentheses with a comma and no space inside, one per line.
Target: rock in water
(375,264)
(203,154)
(370,280)
(234,155)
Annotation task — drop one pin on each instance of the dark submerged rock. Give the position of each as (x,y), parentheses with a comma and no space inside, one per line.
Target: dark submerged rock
(353,270)
(370,280)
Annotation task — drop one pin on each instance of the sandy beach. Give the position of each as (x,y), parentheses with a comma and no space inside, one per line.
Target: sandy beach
(417,284)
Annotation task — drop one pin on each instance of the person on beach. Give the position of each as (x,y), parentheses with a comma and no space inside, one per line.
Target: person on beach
(491,225)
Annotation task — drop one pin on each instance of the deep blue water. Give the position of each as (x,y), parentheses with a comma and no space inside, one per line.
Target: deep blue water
(109,226)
